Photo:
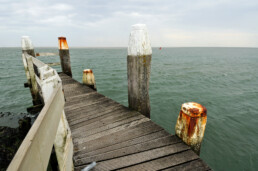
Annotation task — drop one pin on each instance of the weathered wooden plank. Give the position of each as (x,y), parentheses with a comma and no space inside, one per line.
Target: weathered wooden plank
(108,118)
(160,142)
(47,54)
(75,86)
(117,137)
(110,131)
(165,162)
(67,81)
(103,125)
(66,78)
(78,121)
(144,138)
(195,165)
(134,159)
(99,106)
(78,91)
(53,64)
(84,99)
(83,104)
(97,116)
(68,99)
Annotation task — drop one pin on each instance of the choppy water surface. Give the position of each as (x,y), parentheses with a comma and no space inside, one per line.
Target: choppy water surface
(225,80)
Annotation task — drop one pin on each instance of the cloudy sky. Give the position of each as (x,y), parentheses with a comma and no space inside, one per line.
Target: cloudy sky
(107,23)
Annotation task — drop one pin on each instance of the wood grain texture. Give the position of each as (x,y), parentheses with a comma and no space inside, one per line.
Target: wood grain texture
(194,165)
(117,137)
(167,161)
(141,157)
(65,61)
(144,146)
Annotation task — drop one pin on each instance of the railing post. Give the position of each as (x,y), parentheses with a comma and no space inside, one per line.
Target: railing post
(27,55)
(191,123)
(64,56)
(27,46)
(138,69)
(34,86)
(89,79)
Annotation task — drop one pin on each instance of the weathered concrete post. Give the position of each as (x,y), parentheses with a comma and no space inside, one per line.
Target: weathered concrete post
(27,46)
(27,55)
(191,123)
(89,79)
(34,87)
(138,69)
(64,56)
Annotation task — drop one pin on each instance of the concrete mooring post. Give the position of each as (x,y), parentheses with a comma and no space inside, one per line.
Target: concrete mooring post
(191,123)
(64,56)
(138,69)
(89,79)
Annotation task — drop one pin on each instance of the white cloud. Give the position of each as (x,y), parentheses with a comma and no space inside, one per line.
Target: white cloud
(108,23)
(214,38)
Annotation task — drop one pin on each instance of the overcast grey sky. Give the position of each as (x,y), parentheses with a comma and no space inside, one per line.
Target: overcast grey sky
(90,23)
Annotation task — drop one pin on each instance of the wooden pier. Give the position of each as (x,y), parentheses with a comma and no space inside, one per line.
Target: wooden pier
(118,138)
(91,131)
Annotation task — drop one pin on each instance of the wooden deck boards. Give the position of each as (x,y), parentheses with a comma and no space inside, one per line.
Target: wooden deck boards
(118,138)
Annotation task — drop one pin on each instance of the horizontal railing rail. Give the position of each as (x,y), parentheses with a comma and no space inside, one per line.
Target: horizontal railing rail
(51,127)
(35,150)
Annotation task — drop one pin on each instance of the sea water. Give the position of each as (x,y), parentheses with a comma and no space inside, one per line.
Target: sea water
(224,80)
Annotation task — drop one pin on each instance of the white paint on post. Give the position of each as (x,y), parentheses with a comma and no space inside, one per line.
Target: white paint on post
(26,43)
(139,42)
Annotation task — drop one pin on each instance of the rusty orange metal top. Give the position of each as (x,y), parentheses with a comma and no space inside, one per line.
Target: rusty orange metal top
(87,71)
(193,109)
(62,44)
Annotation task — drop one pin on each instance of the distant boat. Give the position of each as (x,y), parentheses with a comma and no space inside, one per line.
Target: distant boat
(160,48)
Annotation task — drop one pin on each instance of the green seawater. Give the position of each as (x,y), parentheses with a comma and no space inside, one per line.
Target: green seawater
(224,80)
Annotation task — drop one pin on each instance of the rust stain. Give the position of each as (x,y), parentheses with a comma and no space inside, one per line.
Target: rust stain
(62,43)
(194,111)
(191,127)
(204,112)
(191,124)
(87,71)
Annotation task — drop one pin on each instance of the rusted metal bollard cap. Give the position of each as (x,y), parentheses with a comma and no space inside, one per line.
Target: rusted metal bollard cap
(62,43)
(193,109)
(87,71)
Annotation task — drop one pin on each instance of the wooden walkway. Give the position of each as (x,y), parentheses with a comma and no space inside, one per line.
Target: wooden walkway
(118,138)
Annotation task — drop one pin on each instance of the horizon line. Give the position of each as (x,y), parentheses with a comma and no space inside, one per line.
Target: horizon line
(127,47)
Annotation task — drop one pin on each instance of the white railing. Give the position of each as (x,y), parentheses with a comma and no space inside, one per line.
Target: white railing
(50,128)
